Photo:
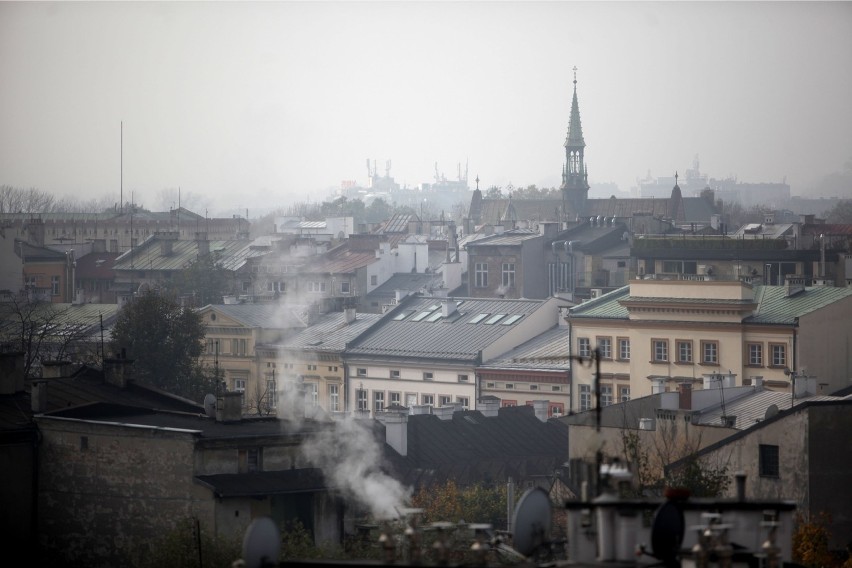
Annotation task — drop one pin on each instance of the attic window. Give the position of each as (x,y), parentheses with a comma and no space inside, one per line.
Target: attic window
(478,318)
(212,317)
(421,315)
(494,319)
(511,319)
(435,317)
(402,315)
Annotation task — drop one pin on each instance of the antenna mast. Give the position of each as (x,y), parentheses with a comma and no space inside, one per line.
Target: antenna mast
(121,172)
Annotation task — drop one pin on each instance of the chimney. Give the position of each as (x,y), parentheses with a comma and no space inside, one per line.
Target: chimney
(229,407)
(540,408)
(757,382)
(395,419)
(685,390)
(38,397)
(658,385)
(349,315)
(203,243)
(55,369)
(444,412)
(117,371)
(489,405)
(421,409)
(448,308)
(35,232)
(166,239)
(11,372)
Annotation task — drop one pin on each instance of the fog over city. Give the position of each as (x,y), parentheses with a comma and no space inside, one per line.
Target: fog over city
(256,105)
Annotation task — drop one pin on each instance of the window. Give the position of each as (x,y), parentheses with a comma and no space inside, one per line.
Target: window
(315,286)
(334,398)
(606,395)
(428,376)
(374,280)
(445,400)
(779,354)
(465,402)
(240,387)
(508,274)
(362,399)
(394,374)
(768,460)
(332,369)
(510,386)
(463,378)
(271,397)
(361,372)
(533,387)
(557,409)
(410,399)
(312,394)
(429,399)
(605,347)
(585,397)
(54,285)
(660,350)
(238,346)
(378,401)
(395,399)
(623,394)
(584,348)
(481,275)
(344,287)
(312,367)
(250,460)
(755,354)
(710,352)
(555,388)
(684,352)
(624,349)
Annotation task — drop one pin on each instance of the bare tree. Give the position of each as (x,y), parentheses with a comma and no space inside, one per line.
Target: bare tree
(43,332)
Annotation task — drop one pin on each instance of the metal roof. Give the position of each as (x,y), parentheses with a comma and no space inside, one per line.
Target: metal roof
(232,254)
(264,316)
(340,261)
(547,351)
(406,281)
(453,338)
(774,306)
(511,237)
(751,408)
(260,483)
(330,333)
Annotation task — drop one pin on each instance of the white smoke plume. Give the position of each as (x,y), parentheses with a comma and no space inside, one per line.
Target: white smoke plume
(350,458)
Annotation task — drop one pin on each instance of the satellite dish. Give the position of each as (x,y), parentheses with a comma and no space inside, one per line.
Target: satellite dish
(667,532)
(771,411)
(210,405)
(261,544)
(531,521)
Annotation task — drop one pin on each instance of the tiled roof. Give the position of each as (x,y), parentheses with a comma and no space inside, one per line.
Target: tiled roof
(526,209)
(454,338)
(547,351)
(232,254)
(774,306)
(473,448)
(330,333)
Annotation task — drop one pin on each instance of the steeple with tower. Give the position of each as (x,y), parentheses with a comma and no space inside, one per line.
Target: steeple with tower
(575,182)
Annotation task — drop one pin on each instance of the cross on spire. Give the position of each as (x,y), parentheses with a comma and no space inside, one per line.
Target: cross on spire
(477,181)
(575,74)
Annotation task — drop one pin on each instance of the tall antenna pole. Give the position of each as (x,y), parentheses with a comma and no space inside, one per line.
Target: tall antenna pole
(121,172)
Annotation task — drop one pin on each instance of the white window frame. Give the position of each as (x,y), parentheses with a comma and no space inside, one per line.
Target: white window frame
(480,271)
(508,274)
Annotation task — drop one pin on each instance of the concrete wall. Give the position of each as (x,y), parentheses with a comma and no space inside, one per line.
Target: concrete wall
(825,345)
(830,464)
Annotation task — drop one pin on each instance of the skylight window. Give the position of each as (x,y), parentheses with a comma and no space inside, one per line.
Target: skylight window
(478,318)
(494,319)
(402,315)
(435,317)
(511,319)
(421,315)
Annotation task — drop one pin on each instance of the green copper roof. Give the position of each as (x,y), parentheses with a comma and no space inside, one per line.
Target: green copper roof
(774,306)
(607,306)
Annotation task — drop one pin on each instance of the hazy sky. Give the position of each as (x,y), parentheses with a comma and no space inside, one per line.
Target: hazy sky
(254,105)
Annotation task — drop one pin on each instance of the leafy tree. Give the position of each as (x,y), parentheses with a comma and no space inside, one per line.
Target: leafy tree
(476,503)
(205,280)
(165,341)
(494,192)
(190,545)
(841,213)
(810,541)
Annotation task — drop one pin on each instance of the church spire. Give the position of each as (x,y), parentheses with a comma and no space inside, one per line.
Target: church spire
(575,186)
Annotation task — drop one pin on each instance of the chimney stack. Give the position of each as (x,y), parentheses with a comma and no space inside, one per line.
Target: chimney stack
(448,308)
(444,412)
(229,407)
(55,369)
(349,315)
(489,405)
(203,243)
(117,371)
(38,397)
(11,372)
(395,419)
(685,390)
(540,407)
